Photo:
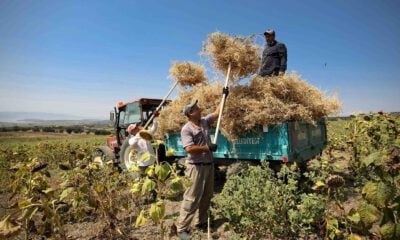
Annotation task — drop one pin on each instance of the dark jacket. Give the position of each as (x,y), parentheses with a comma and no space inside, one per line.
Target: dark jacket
(274,59)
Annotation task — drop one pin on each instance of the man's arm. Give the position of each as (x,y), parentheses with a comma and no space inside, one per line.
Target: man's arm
(283,56)
(196,149)
(153,128)
(261,71)
(215,114)
(210,118)
(188,144)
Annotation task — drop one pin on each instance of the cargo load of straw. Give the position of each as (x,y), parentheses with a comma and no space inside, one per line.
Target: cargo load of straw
(171,118)
(262,101)
(188,73)
(240,52)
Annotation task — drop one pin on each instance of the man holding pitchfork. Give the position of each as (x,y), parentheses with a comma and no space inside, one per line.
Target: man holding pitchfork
(199,168)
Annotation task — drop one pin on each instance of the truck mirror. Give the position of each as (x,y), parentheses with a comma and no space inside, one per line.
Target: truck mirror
(112,116)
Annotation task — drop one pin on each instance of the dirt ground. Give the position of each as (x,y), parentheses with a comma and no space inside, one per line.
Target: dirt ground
(88,230)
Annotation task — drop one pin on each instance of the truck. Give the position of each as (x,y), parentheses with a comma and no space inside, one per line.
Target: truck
(291,141)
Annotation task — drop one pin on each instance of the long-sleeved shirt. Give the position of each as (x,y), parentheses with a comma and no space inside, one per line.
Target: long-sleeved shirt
(274,59)
(142,146)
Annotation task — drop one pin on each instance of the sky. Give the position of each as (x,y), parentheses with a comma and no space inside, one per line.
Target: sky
(82,57)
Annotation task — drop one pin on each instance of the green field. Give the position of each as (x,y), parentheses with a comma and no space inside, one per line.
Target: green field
(11,139)
(352,191)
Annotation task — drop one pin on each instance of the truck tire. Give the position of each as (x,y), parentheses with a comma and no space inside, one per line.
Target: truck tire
(126,158)
(103,154)
(236,168)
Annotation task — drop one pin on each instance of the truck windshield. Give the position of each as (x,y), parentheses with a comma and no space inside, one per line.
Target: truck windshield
(132,115)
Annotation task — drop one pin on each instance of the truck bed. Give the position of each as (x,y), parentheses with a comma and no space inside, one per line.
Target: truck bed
(294,141)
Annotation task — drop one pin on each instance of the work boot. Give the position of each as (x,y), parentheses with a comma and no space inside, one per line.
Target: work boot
(184,235)
(201,227)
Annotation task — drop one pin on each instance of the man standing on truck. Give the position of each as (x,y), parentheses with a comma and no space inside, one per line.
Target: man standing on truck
(199,168)
(274,57)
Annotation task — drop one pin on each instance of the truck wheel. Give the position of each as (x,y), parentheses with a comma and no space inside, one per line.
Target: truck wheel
(236,168)
(103,154)
(303,167)
(127,156)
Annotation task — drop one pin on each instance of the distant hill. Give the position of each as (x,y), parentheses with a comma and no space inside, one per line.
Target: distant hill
(43,118)
(18,116)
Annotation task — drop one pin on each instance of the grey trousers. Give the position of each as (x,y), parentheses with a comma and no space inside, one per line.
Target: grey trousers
(197,198)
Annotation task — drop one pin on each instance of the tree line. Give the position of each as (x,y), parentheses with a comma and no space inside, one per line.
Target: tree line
(56,129)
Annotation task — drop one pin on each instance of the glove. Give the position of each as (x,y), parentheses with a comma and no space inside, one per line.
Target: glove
(225,91)
(212,147)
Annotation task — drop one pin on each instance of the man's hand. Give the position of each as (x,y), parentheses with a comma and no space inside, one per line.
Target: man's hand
(225,91)
(281,73)
(212,147)
(156,113)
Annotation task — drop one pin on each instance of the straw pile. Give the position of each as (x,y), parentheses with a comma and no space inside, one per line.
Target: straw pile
(188,73)
(264,100)
(271,100)
(172,119)
(239,51)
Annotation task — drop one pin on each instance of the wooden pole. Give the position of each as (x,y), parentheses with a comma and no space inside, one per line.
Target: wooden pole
(162,102)
(208,225)
(222,105)
(216,139)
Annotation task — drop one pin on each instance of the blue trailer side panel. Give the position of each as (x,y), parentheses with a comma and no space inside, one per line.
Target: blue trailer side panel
(291,141)
(306,140)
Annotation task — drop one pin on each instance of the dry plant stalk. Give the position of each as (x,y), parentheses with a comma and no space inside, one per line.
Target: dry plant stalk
(172,119)
(263,101)
(188,73)
(239,51)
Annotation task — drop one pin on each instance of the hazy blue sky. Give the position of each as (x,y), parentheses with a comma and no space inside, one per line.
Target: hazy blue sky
(81,57)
